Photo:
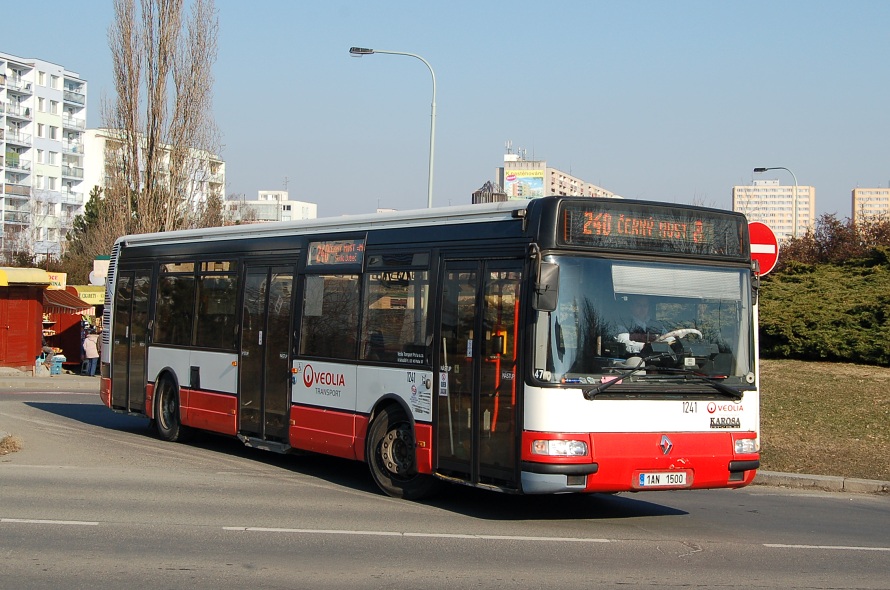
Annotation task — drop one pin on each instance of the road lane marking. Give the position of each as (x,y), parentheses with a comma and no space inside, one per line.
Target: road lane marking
(398,534)
(835,547)
(44,521)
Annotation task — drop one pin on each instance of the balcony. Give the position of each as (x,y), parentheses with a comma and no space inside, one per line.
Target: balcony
(72,147)
(18,165)
(72,172)
(18,190)
(17,111)
(18,85)
(75,97)
(18,138)
(72,123)
(72,198)
(17,217)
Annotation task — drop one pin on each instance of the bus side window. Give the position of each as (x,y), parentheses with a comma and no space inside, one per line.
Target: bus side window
(330,316)
(394,320)
(175,310)
(217,298)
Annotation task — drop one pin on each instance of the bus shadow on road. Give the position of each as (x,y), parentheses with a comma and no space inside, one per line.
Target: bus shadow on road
(354,476)
(94,415)
(490,505)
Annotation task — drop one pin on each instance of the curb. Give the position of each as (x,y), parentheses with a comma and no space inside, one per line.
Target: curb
(829,483)
(70,382)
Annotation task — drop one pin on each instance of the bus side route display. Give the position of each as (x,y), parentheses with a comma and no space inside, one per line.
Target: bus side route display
(336,252)
(652,228)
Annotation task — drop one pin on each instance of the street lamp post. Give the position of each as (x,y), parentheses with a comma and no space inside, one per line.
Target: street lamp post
(793,197)
(360,51)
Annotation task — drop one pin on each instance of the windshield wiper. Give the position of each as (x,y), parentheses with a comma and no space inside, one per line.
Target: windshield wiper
(592,392)
(726,390)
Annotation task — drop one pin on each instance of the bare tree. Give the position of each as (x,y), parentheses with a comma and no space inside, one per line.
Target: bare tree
(160,125)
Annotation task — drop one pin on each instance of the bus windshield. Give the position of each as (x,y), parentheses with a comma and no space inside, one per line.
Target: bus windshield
(674,320)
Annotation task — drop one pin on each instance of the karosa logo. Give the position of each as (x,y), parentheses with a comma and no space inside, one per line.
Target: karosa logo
(312,377)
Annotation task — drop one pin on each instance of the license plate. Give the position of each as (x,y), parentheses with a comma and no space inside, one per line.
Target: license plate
(662,479)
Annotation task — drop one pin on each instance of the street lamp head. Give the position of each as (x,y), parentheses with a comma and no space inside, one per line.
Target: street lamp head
(761,169)
(360,51)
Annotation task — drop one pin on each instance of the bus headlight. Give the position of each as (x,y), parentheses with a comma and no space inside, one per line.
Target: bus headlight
(560,448)
(745,446)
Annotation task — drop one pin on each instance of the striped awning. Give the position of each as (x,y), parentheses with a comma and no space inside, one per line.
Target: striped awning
(58,301)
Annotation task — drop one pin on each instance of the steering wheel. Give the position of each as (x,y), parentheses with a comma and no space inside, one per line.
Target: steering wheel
(675,334)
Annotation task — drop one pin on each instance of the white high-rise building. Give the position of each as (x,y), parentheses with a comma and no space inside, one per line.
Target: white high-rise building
(206,171)
(43,112)
(869,203)
(769,202)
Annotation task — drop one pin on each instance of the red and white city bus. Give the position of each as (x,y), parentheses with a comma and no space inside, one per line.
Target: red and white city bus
(487,345)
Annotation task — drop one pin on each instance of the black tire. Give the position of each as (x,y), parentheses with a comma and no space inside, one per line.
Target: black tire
(166,420)
(392,457)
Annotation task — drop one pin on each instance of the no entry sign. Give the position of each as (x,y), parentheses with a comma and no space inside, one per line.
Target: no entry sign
(764,246)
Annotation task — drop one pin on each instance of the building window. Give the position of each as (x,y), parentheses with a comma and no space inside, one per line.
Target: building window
(41,130)
(41,104)
(51,183)
(54,80)
(53,158)
(41,78)
(54,107)
(53,132)
(40,156)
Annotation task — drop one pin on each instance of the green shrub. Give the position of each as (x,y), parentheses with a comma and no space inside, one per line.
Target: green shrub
(830,312)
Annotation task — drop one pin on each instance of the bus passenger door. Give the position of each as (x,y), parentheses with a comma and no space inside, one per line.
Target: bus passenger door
(477,417)
(264,388)
(130,339)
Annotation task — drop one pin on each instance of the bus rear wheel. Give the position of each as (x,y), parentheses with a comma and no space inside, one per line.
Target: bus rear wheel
(167,420)
(392,458)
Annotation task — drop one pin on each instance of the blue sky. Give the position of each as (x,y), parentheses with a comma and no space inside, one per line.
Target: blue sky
(669,101)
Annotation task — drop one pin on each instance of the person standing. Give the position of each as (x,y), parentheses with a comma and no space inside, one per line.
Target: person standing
(91,352)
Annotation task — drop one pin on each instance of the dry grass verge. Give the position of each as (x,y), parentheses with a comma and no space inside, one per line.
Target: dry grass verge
(825,419)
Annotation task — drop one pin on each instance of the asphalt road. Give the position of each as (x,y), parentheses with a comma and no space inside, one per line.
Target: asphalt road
(95,501)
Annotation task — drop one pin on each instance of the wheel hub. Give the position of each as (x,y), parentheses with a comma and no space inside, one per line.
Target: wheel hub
(397,451)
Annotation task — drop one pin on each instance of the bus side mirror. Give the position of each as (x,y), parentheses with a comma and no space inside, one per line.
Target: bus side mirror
(547,287)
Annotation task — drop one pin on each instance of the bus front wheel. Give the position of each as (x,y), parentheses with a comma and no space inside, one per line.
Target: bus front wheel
(392,458)
(167,420)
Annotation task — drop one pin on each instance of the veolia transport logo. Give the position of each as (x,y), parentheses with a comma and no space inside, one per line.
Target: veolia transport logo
(312,377)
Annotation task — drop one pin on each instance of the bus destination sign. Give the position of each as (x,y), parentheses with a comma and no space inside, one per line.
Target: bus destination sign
(336,252)
(651,228)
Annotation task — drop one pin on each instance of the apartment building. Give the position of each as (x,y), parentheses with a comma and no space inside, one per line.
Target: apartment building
(869,203)
(43,111)
(206,171)
(775,205)
(519,178)
(270,206)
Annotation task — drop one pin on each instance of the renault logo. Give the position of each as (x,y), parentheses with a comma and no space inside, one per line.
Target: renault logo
(665,444)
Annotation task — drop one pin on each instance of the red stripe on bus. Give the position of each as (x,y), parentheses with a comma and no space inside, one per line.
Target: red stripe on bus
(209,411)
(321,430)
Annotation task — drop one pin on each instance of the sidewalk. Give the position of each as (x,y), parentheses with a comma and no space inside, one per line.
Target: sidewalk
(11,380)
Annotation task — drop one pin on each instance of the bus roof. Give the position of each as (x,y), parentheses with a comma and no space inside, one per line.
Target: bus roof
(390,220)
